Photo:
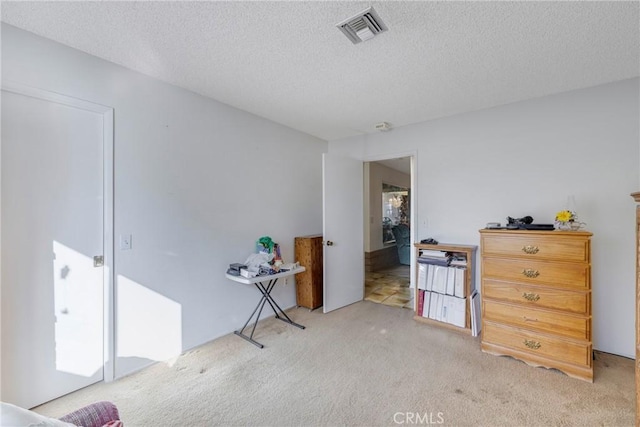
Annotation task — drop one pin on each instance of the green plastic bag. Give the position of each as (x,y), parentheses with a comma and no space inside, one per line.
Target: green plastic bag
(265,244)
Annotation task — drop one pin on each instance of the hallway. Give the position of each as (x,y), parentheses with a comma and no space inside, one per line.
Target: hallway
(389,287)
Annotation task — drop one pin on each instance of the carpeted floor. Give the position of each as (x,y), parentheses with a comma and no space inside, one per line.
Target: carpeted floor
(363,365)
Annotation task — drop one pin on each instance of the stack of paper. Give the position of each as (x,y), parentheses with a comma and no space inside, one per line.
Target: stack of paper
(428,256)
(458,260)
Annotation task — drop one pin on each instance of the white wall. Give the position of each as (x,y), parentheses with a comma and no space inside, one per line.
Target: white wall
(196,184)
(379,174)
(525,159)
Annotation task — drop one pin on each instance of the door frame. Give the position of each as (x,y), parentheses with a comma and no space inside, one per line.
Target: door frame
(413,156)
(107,206)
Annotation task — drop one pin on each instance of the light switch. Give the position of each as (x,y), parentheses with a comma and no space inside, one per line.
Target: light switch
(125,242)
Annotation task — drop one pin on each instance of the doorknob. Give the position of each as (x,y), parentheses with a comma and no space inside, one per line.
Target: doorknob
(329,243)
(98,261)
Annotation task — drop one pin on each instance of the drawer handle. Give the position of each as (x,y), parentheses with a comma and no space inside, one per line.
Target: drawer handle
(530,272)
(530,249)
(533,345)
(530,296)
(529,319)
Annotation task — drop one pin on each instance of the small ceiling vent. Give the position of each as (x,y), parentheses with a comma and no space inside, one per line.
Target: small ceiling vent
(383,127)
(362,26)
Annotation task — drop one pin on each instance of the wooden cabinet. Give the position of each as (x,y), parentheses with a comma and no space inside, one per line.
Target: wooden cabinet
(308,252)
(536,298)
(464,251)
(636,197)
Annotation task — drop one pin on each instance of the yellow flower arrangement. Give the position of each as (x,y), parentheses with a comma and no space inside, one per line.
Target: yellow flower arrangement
(565,216)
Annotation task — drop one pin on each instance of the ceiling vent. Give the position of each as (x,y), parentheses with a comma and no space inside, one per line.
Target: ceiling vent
(362,26)
(383,127)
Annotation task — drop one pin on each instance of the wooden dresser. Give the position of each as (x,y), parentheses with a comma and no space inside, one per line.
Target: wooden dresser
(308,251)
(536,298)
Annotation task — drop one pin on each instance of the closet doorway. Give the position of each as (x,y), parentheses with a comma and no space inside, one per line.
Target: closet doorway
(387,232)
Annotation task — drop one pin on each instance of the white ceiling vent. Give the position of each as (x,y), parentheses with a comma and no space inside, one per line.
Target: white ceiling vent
(383,127)
(362,26)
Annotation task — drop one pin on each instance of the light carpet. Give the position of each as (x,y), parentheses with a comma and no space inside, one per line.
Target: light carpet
(363,365)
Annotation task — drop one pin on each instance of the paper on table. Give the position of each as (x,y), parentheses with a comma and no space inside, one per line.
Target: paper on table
(254,261)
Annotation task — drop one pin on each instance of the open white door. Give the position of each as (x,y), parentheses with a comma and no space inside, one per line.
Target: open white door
(342,185)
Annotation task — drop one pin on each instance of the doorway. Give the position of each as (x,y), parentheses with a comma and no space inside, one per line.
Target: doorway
(387,234)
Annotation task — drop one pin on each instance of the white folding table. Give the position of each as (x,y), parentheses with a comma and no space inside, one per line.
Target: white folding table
(265,285)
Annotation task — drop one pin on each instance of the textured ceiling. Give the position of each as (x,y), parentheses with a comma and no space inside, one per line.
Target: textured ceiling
(287,61)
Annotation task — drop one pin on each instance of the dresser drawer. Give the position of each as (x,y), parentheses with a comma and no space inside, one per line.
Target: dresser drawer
(567,275)
(536,246)
(533,296)
(529,342)
(572,326)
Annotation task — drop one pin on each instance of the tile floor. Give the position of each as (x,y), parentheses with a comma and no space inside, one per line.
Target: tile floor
(389,287)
